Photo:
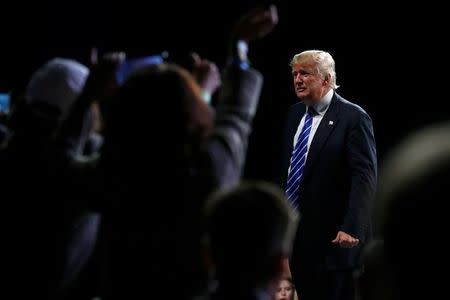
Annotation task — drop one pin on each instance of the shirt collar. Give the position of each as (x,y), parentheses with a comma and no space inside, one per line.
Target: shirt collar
(321,107)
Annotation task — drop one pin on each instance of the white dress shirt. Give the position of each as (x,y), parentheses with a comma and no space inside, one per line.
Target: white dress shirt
(319,111)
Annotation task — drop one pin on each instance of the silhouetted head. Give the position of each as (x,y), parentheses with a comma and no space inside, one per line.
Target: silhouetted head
(48,98)
(249,230)
(156,121)
(54,87)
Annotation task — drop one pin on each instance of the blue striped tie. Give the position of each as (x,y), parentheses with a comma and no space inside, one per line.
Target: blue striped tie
(298,160)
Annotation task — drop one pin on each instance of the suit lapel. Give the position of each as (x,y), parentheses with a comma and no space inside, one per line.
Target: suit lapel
(294,126)
(326,126)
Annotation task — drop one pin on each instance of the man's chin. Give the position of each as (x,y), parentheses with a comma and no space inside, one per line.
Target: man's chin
(301,95)
(305,100)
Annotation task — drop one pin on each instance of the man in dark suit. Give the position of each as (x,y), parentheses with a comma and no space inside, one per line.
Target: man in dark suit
(330,166)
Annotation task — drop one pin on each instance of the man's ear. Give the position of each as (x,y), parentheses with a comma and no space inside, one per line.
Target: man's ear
(327,79)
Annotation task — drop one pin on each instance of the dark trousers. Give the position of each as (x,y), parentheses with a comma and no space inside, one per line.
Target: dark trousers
(324,285)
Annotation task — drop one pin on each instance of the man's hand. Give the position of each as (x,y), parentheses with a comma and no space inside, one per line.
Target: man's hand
(345,240)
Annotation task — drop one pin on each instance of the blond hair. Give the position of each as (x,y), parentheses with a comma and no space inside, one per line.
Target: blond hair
(323,60)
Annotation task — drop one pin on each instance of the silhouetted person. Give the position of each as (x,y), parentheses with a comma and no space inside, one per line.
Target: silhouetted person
(50,232)
(408,256)
(249,232)
(165,150)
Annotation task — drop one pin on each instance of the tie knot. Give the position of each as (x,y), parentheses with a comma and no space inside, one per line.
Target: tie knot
(311,112)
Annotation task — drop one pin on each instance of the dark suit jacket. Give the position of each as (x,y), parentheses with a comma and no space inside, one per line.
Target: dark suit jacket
(338,184)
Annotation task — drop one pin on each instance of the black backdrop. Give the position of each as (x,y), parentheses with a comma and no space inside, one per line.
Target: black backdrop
(390,60)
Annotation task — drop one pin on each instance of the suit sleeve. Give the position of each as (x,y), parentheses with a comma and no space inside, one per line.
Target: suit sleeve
(235,111)
(361,151)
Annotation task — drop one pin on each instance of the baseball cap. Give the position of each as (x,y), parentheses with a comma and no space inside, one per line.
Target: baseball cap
(57,84)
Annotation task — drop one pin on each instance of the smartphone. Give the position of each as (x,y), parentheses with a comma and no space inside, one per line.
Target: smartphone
(4,103)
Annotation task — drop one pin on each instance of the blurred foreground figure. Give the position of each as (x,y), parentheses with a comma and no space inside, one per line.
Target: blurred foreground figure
(249,232)
(406,259)
(159,126)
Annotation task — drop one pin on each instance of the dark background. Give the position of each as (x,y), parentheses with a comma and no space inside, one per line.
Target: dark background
(390,58)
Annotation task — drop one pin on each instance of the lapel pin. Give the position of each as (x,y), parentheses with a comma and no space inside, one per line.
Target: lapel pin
(330,123)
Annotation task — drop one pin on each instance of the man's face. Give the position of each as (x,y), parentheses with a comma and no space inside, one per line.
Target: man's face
(309,86)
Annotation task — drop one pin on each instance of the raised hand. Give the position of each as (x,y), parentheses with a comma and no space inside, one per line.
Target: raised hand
(256,24)
(206,73)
